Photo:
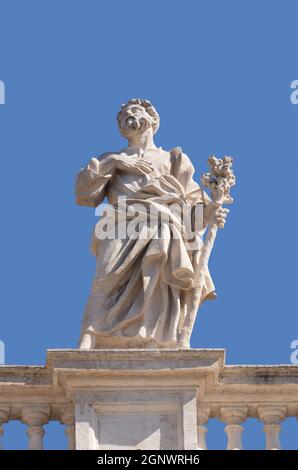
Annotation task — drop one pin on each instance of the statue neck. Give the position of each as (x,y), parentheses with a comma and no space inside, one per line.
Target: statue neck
(144,141)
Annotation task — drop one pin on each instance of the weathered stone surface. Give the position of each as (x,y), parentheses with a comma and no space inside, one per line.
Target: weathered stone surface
(149,282)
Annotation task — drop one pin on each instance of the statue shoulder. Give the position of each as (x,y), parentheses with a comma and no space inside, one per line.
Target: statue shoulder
(104,155)
(176,152)
(178,157)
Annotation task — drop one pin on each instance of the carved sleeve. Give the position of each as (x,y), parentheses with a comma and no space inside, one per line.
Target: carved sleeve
(183,169)
(91,182)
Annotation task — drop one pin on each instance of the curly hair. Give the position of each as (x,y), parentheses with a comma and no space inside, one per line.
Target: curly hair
(149,108)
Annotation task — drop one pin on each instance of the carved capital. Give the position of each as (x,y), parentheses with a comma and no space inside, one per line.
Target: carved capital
(4,414)
(35,415)
(203,415)
(67,417)
(233,414)
(271,414)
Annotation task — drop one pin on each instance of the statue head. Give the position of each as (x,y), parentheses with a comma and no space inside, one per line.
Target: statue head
(137,116)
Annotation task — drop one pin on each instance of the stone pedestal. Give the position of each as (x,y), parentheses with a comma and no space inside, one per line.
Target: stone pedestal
(146,399)
(135,399)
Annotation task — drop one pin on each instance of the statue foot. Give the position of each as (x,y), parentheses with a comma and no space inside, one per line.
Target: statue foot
(87,341)
(183,345)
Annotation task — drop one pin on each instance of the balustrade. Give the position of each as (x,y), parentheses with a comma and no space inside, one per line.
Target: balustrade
(231,394)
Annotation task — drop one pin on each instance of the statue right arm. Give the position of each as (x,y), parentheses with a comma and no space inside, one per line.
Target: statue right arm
(92,180)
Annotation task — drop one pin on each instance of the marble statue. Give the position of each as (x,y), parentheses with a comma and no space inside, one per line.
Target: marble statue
(150,282)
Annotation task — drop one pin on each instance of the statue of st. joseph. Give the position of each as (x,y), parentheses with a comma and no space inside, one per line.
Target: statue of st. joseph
(143,284)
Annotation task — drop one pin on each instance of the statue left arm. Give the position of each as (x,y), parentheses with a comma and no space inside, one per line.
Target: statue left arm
(183,170)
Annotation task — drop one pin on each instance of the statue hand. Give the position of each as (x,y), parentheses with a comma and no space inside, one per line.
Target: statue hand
(132,164)
(215,214)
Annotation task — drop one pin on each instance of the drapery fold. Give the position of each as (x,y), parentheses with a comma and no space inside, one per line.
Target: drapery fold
(138,295)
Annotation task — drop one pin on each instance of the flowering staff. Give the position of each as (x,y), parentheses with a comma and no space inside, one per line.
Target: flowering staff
(219,181)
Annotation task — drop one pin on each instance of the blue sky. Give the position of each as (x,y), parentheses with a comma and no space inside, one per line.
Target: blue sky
(219,74)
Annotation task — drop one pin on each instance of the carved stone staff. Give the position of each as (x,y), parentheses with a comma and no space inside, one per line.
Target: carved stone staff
(219,181)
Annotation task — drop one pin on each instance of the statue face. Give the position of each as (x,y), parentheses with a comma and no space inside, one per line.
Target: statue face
(134,120)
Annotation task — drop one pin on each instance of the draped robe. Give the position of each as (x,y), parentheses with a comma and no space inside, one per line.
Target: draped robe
(142,286)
